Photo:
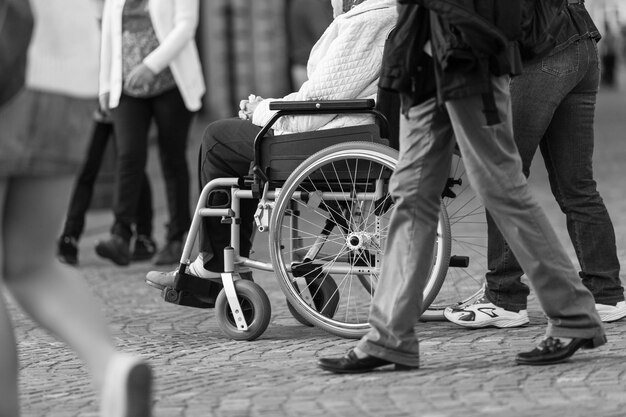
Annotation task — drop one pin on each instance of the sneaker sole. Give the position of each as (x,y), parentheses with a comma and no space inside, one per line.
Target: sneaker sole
(499,323)
(609,317)
(155,285)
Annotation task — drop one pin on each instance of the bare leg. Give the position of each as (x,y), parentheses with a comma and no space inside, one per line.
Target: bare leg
(53,294)
(9,404)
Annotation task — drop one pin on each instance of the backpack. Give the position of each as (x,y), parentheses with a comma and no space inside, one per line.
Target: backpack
(16,25)
(542,21)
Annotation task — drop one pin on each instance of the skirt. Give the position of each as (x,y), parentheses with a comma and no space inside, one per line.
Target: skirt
(44,134)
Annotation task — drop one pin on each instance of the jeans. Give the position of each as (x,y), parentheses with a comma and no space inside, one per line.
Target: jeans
(553,105)
(83,188)
(227,152)
(494,170)
(131,119)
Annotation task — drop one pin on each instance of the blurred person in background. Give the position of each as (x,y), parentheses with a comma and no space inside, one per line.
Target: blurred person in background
(150,71)
(307,20)
(144,246)
(43,136)
(609,53)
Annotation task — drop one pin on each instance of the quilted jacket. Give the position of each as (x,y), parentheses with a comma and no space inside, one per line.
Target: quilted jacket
(345,63)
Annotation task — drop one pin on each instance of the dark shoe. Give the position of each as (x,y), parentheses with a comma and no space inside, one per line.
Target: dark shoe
(144,249)
(116,249)
(551,350)
(170,254)
(68,250)
(351,364)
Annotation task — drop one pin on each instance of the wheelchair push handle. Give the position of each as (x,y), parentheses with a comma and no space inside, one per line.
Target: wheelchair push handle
(313,106)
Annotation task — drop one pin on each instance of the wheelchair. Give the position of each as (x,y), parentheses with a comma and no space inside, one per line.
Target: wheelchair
(325,206)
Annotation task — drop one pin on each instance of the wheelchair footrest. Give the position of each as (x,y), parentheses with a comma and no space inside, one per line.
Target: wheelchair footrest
(457,261)
(306,269)
(192,291)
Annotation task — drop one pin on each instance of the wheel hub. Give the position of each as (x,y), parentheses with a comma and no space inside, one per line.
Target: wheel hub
(358,240)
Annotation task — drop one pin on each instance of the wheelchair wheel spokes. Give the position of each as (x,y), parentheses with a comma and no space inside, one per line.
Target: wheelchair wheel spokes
(468,228)
(327,231)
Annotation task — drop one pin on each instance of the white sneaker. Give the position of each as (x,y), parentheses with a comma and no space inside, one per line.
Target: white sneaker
(609,313)
(433,313)
(160,280)
(482,313)
(127,390)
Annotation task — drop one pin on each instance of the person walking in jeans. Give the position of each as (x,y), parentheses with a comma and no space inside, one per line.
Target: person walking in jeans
(150,70)
(427,140)
(553,103)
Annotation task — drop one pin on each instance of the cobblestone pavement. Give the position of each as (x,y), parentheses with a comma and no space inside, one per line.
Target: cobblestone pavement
(199,372)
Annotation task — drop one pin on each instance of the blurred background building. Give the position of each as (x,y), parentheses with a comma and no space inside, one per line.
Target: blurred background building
(244,46)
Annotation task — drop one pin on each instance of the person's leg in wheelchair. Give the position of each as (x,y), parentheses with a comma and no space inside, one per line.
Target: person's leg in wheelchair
(227,151)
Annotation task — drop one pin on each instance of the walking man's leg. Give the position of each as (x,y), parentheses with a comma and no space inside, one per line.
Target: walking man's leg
(426,147)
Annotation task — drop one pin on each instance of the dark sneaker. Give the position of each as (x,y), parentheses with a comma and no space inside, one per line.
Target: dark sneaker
(144,249)
(68,250)
(170,254)
(115,249)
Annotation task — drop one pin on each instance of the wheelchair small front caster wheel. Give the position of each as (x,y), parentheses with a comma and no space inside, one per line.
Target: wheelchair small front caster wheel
(255,306)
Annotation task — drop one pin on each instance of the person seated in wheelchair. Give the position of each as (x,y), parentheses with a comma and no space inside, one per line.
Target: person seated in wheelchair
(345,63)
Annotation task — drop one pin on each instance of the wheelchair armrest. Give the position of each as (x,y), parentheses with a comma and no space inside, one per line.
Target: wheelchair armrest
(313,106)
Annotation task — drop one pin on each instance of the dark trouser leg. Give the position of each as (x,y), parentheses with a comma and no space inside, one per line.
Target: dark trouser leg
(145,212)
(83,188)
(227,151)
(504,285)
(553,108)
(131,120)
(495,171)
(173,121)
(567,150)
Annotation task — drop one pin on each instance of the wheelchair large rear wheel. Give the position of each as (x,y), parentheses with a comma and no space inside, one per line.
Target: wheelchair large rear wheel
(465,278)
(330,222)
